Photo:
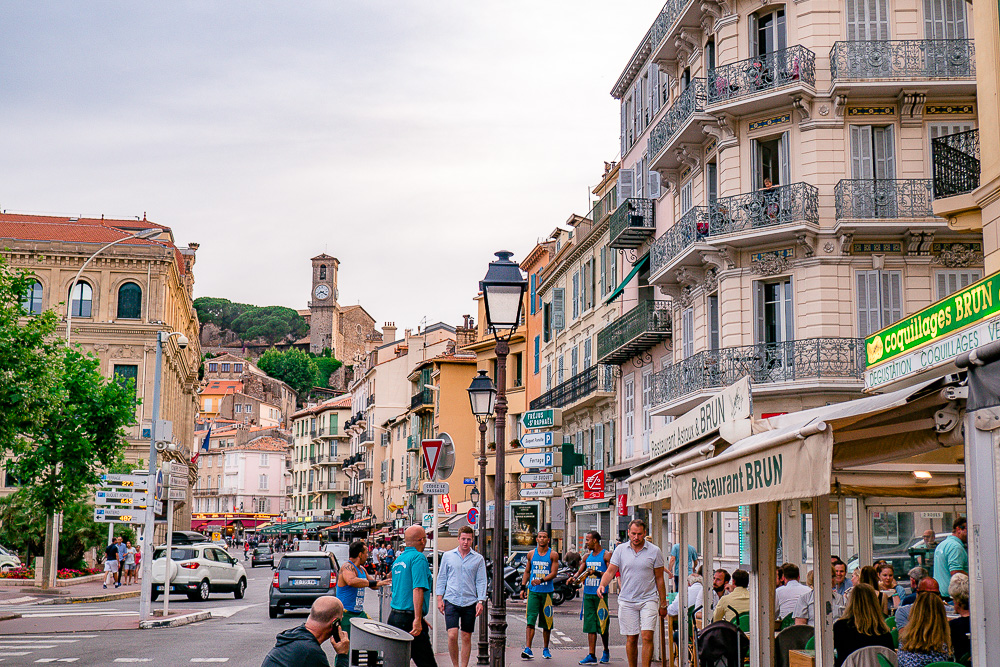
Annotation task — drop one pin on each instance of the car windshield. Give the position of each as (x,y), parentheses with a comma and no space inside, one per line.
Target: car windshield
(262,550)
(301,564)
(176,554)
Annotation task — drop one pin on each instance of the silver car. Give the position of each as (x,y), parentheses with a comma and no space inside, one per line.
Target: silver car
(299,578)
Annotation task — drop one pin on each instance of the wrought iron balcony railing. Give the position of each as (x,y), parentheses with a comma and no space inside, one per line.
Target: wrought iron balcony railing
(903,59)
(780,204)
(421,398)
(366,437)
(796,64)
(692,227)
(686,105)
(666,18)
(956,163)
(882,198)
(581,385)
(604,206)
(765,363)
(632,223)
(636,331)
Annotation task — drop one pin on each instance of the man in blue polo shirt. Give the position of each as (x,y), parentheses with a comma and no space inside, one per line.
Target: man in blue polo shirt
(411,590)
(951,556)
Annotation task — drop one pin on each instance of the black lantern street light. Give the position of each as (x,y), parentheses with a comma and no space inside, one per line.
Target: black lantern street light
(482,396)
(503,291)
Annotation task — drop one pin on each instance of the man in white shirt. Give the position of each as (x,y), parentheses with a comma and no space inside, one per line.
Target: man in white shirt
(642,591)
(789,592)
(694,597)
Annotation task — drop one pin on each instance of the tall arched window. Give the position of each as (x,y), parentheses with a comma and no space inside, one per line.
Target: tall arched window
(322,271)
(82,300)
(129,302)
(33,300)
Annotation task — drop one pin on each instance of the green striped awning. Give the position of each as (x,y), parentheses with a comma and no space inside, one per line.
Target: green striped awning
(636,268)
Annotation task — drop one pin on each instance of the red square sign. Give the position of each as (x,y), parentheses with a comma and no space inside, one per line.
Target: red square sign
(593,483)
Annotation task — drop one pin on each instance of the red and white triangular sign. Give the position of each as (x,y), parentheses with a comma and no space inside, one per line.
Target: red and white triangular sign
(432,454)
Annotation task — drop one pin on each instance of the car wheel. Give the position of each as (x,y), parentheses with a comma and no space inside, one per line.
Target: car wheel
(203,591)
(273,612)
(241,589)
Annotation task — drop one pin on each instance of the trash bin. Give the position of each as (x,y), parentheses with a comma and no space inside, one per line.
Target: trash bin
(375,644)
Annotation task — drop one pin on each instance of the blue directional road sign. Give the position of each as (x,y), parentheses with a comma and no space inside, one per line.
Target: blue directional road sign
(469,481)
(541,459)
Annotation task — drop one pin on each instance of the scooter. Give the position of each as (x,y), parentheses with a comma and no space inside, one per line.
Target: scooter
(562,589)
(511,582)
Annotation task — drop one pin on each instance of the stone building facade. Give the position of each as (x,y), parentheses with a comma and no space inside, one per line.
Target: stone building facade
(127,294)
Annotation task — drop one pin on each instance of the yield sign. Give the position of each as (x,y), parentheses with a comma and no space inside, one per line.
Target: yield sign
(432,454)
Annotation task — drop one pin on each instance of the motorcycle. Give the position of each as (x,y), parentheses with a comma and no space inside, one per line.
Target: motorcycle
(511,582)
(563,590)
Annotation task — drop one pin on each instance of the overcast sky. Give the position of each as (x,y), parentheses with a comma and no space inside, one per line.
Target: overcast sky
(409,138)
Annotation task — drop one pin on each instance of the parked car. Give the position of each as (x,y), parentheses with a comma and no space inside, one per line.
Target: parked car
(187,537)
(340,550)
(261,555)
(8,560)
(299,578)
(198,570)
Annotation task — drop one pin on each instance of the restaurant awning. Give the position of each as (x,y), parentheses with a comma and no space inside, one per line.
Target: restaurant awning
(352,522)
(636,268)
(832,449)
(282,528)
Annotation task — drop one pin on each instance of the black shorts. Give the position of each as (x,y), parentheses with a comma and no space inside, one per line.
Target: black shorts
(463,618)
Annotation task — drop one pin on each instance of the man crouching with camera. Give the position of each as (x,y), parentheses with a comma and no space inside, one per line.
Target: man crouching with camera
(303,646)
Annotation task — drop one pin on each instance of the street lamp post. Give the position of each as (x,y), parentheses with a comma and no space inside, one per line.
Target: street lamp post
(482,395)
(503,291)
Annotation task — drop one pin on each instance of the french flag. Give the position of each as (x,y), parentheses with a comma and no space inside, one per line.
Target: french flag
(204,444)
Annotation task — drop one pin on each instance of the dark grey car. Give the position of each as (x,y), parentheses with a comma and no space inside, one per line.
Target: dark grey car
(299,578)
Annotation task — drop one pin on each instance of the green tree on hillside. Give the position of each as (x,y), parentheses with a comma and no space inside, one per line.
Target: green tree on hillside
(293,367)
(272,323)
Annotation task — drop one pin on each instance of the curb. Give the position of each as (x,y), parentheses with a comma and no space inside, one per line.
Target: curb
(107,597)
(175,621)
(9,616)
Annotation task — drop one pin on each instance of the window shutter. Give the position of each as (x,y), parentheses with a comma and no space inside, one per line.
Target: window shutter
(587,347)
(885,161)
(686,197)
(758,309)
(654,88)
(599,445)
(713,316)
(853,24)
(534,292)
(624,144)
(654,185)
(688,333)
(538,346)
(559,308)
(892,297)
(878,18)
(626,184)
(869,317)
(574,361)
(640,169)
(949,282)
(576,294)
(604,269)
(861,152)
(757,182)
(786,160)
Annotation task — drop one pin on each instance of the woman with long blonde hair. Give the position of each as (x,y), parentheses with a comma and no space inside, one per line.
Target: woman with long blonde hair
(926,637)
(869,575)
(863,624)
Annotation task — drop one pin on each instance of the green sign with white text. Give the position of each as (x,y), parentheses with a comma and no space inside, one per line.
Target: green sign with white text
(961,310)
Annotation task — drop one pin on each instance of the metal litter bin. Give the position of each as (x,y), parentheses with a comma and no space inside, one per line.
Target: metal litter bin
(375,644)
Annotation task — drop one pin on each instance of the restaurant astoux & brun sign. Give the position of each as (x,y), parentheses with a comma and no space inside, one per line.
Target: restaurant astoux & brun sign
(935,335)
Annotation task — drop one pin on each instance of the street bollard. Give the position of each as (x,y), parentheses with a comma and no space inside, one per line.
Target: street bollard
(375,644)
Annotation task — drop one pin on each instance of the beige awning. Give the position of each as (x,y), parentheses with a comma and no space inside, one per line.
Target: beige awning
(651,482)
(832,449)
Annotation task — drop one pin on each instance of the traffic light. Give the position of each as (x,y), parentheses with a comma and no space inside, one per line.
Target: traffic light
(570,459)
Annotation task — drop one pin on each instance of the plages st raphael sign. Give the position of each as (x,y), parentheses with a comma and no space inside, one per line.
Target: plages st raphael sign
(936,335)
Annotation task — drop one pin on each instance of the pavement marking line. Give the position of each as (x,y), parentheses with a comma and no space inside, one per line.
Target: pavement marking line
(32,646)
(85,613)
(11,655)
(6,642)
(226,612)
(133,660)
(56,637)
(209,659)
(20,600)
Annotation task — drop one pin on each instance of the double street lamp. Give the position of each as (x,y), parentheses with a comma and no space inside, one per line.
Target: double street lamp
(482,395)
(503,291)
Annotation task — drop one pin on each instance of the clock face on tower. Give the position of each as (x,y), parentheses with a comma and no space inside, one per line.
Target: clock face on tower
(322,292)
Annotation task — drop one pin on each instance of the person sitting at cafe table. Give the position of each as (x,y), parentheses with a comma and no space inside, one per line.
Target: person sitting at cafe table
(863,624)
(926,585)
(926,639)
(805,606)
(916,575)
(789,590)
(737,602)
(960,626)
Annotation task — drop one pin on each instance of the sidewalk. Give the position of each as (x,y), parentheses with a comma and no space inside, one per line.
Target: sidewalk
(91,591)
(561,657)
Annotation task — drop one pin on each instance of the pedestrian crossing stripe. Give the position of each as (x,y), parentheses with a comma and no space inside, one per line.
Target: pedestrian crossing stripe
(603,615)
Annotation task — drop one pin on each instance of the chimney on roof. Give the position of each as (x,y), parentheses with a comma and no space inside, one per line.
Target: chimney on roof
(407,333)
(388,332)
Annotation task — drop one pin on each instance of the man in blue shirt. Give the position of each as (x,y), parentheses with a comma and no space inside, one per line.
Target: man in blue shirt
(411,591)
(462,586)
(951,556)
(675,556)
(120,545)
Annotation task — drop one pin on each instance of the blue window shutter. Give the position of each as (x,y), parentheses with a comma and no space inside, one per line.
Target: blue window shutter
(534,292)
(538,343)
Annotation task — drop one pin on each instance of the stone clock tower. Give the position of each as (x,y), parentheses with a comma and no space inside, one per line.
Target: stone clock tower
(324,312)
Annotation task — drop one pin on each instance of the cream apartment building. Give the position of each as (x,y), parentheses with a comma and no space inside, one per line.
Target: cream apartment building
(775,196)
(573,292)
(319,448)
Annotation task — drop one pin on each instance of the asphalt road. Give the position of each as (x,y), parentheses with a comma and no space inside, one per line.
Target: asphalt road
(240,632)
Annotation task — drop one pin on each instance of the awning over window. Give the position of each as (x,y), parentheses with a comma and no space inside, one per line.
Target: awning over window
(636,268)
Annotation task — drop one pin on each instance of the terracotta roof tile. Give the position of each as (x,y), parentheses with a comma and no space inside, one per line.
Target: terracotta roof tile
(216,387)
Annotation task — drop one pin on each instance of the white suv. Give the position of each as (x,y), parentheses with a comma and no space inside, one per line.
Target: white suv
(198,570)
(8,560)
